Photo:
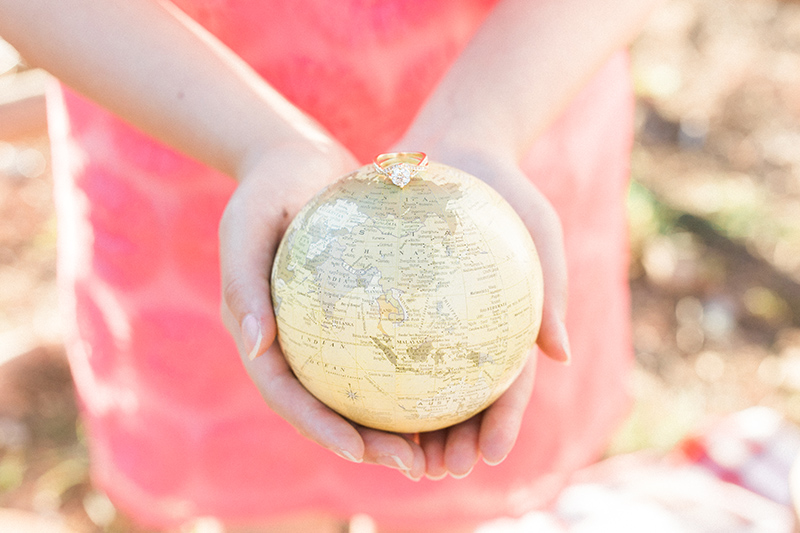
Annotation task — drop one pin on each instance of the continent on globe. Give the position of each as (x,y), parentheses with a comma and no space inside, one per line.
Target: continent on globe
(407,308)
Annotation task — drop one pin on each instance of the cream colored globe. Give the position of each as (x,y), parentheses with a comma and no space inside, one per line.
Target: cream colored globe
(407,309)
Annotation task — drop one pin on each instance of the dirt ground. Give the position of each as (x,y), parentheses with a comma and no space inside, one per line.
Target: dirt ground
(715,269)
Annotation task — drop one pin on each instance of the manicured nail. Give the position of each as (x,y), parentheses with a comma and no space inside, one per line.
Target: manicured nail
(349,456)
(563,341)
(251,336)
(461,476)
(407,473)
(493,463)
(436,478)
(392,461)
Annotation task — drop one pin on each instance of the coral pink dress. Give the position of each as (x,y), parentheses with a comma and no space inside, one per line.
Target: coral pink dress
(175,427)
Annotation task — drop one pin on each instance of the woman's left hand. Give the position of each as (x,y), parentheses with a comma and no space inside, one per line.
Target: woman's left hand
(492,433)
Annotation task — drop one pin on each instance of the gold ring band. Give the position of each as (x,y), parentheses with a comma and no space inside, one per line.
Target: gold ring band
(400,167)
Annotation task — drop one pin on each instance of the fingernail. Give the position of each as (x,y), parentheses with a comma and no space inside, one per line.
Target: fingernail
(493,463)
(563,341)
(436,478)
(349,456)
(407,473)
(251,336)
(461,476)
(392,461)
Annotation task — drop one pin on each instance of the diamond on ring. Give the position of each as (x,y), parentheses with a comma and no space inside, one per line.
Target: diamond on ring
(401,174)
(401,167)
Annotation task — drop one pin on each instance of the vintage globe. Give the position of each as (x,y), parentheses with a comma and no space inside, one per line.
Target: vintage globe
(407,308)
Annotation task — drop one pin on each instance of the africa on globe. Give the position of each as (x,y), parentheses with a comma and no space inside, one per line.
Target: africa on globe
(408,295)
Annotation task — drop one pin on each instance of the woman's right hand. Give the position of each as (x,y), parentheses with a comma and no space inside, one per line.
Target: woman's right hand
(150,64)
(272,189)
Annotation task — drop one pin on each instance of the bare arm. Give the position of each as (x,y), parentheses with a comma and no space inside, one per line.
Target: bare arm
(152,65)
(523,67)
(529,59)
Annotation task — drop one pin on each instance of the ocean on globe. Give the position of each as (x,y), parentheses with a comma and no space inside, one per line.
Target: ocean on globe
(411,308)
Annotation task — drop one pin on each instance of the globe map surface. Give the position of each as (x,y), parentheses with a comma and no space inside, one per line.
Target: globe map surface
(407,309)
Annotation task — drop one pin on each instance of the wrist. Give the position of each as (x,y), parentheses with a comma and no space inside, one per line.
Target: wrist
(283,176)
(284,156)
(484,160)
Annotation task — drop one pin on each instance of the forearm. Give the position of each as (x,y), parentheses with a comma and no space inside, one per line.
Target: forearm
(521,69)
(147,62)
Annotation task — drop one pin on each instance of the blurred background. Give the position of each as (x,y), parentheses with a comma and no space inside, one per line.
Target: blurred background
(714,207)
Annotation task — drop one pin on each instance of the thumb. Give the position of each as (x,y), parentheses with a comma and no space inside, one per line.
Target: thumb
(247,247)
(247,317)
(553,339)
(545,227)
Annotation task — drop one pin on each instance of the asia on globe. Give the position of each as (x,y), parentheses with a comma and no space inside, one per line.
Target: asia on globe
(408,295)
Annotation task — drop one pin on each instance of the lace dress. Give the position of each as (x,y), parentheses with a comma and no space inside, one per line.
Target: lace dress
(175,427)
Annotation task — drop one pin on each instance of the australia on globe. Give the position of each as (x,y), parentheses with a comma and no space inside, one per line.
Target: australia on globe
(407,308)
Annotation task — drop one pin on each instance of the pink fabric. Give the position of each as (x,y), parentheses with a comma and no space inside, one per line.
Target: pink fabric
(176,429)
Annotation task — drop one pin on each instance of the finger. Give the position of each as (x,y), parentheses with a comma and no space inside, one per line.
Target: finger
(247,246)
(461,451)
(393,451)
(503,419)
(289,399)
(432,444)
(553,338)
(545,228)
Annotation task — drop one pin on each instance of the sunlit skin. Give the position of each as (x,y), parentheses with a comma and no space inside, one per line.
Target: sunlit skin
(170,78)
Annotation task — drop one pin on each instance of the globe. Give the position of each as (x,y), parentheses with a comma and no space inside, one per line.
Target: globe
(407,308)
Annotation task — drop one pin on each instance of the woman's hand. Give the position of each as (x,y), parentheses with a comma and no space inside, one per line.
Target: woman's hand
(272,190)
(516,75)
(168,76)
(492,433)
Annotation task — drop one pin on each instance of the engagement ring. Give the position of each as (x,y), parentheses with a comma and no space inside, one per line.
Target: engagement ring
(400,167)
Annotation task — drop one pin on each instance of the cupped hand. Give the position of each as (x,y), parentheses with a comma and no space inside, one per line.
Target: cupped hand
(271,191)
(492,433)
